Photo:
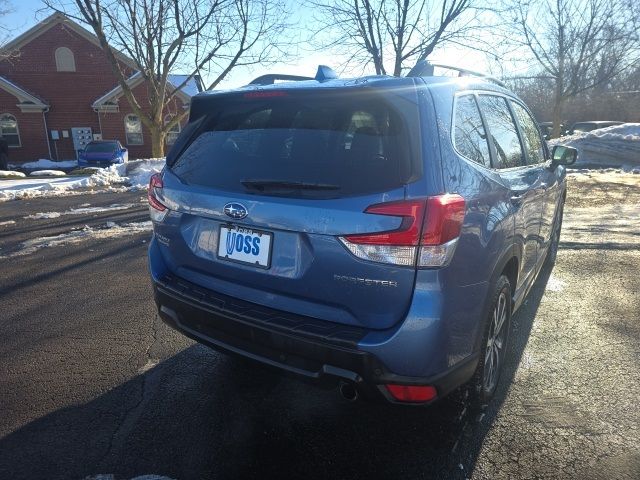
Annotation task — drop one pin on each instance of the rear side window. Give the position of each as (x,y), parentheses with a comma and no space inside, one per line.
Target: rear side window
(300,145)
(531,135)
(470,138)
(503,133)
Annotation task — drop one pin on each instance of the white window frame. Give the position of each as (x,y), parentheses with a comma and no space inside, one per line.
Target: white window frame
(65,60)
(17,129)
(127,132)
(175,130)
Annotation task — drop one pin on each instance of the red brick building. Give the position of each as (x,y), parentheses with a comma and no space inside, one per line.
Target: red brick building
(57,91)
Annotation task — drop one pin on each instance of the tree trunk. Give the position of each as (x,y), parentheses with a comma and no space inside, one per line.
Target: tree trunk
(557,118)
(558,104)
(157,143)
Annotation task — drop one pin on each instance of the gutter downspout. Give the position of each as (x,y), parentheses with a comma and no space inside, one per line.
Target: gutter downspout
(46,131)
(97,110)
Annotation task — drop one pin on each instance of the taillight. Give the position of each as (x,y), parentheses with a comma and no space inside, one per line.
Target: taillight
(445,214)
(412,393)
(157,210)
(427,236)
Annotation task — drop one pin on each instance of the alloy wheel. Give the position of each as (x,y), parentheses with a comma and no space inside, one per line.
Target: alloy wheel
(496,342)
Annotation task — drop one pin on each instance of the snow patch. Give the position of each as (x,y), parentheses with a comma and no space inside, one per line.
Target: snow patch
(554,284)
(47,173)
(7,222)
(43,215)
(45,163)
(110,230)
(111,208)
(81,211)
(11,174)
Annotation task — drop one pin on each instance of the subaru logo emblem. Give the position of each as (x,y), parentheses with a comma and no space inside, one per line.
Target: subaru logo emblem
(235,210)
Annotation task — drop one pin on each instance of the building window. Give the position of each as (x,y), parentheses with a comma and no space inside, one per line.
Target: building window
(9,129)
(133,130)
(65,61)
(172,134)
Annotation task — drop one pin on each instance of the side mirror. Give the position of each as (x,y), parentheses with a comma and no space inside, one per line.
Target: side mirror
(562,155)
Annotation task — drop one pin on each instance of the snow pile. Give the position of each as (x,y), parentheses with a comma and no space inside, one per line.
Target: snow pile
(109,230)
(104,177)
(11,174)
(134,174)
(616,146)
(44,164)
(139,177)
(120,177)
(47,173)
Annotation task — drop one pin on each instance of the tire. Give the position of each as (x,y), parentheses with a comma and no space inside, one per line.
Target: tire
(550,261)
(493,349)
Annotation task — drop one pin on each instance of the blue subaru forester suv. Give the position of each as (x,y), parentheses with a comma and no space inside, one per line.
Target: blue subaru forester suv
(377,233)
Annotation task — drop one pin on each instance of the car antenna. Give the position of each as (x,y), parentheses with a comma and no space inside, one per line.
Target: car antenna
(325,73)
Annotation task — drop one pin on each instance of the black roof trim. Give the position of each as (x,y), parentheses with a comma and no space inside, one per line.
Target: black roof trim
(323,74)
(424,68)
(271,78)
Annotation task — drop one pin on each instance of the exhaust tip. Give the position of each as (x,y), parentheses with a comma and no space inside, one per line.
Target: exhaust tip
(348,391)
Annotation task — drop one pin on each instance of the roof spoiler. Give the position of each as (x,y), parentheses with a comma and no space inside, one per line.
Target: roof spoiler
(424,68)
(323,74)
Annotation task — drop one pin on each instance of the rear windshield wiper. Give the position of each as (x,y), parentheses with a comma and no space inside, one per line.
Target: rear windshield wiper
(262,185)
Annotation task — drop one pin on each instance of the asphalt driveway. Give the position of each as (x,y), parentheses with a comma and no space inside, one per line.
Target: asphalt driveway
(91,382)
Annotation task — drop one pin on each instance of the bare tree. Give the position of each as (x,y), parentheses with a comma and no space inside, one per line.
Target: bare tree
(5,30)
(579,44)
(163,36)
(394,34)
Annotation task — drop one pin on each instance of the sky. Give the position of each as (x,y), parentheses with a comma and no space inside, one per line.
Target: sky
(26,13)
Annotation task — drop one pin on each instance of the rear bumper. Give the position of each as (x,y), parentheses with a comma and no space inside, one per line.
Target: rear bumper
(320,351)
(99,163)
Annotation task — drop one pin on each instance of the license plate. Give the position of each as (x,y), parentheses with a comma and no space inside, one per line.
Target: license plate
(244,245)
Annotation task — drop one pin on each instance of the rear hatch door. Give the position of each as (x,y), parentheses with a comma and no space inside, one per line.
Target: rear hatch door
(273,179)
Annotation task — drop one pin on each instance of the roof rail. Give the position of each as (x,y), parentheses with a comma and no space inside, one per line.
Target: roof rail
(323,74)
(271,78)
(424,68)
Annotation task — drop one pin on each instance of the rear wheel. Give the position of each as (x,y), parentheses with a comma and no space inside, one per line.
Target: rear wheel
(494,343)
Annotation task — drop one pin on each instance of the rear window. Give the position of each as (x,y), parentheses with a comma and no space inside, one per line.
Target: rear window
(300,145)
(101,147)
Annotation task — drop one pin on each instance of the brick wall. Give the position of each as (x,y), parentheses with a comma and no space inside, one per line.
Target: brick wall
(69,94)
(31,130)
